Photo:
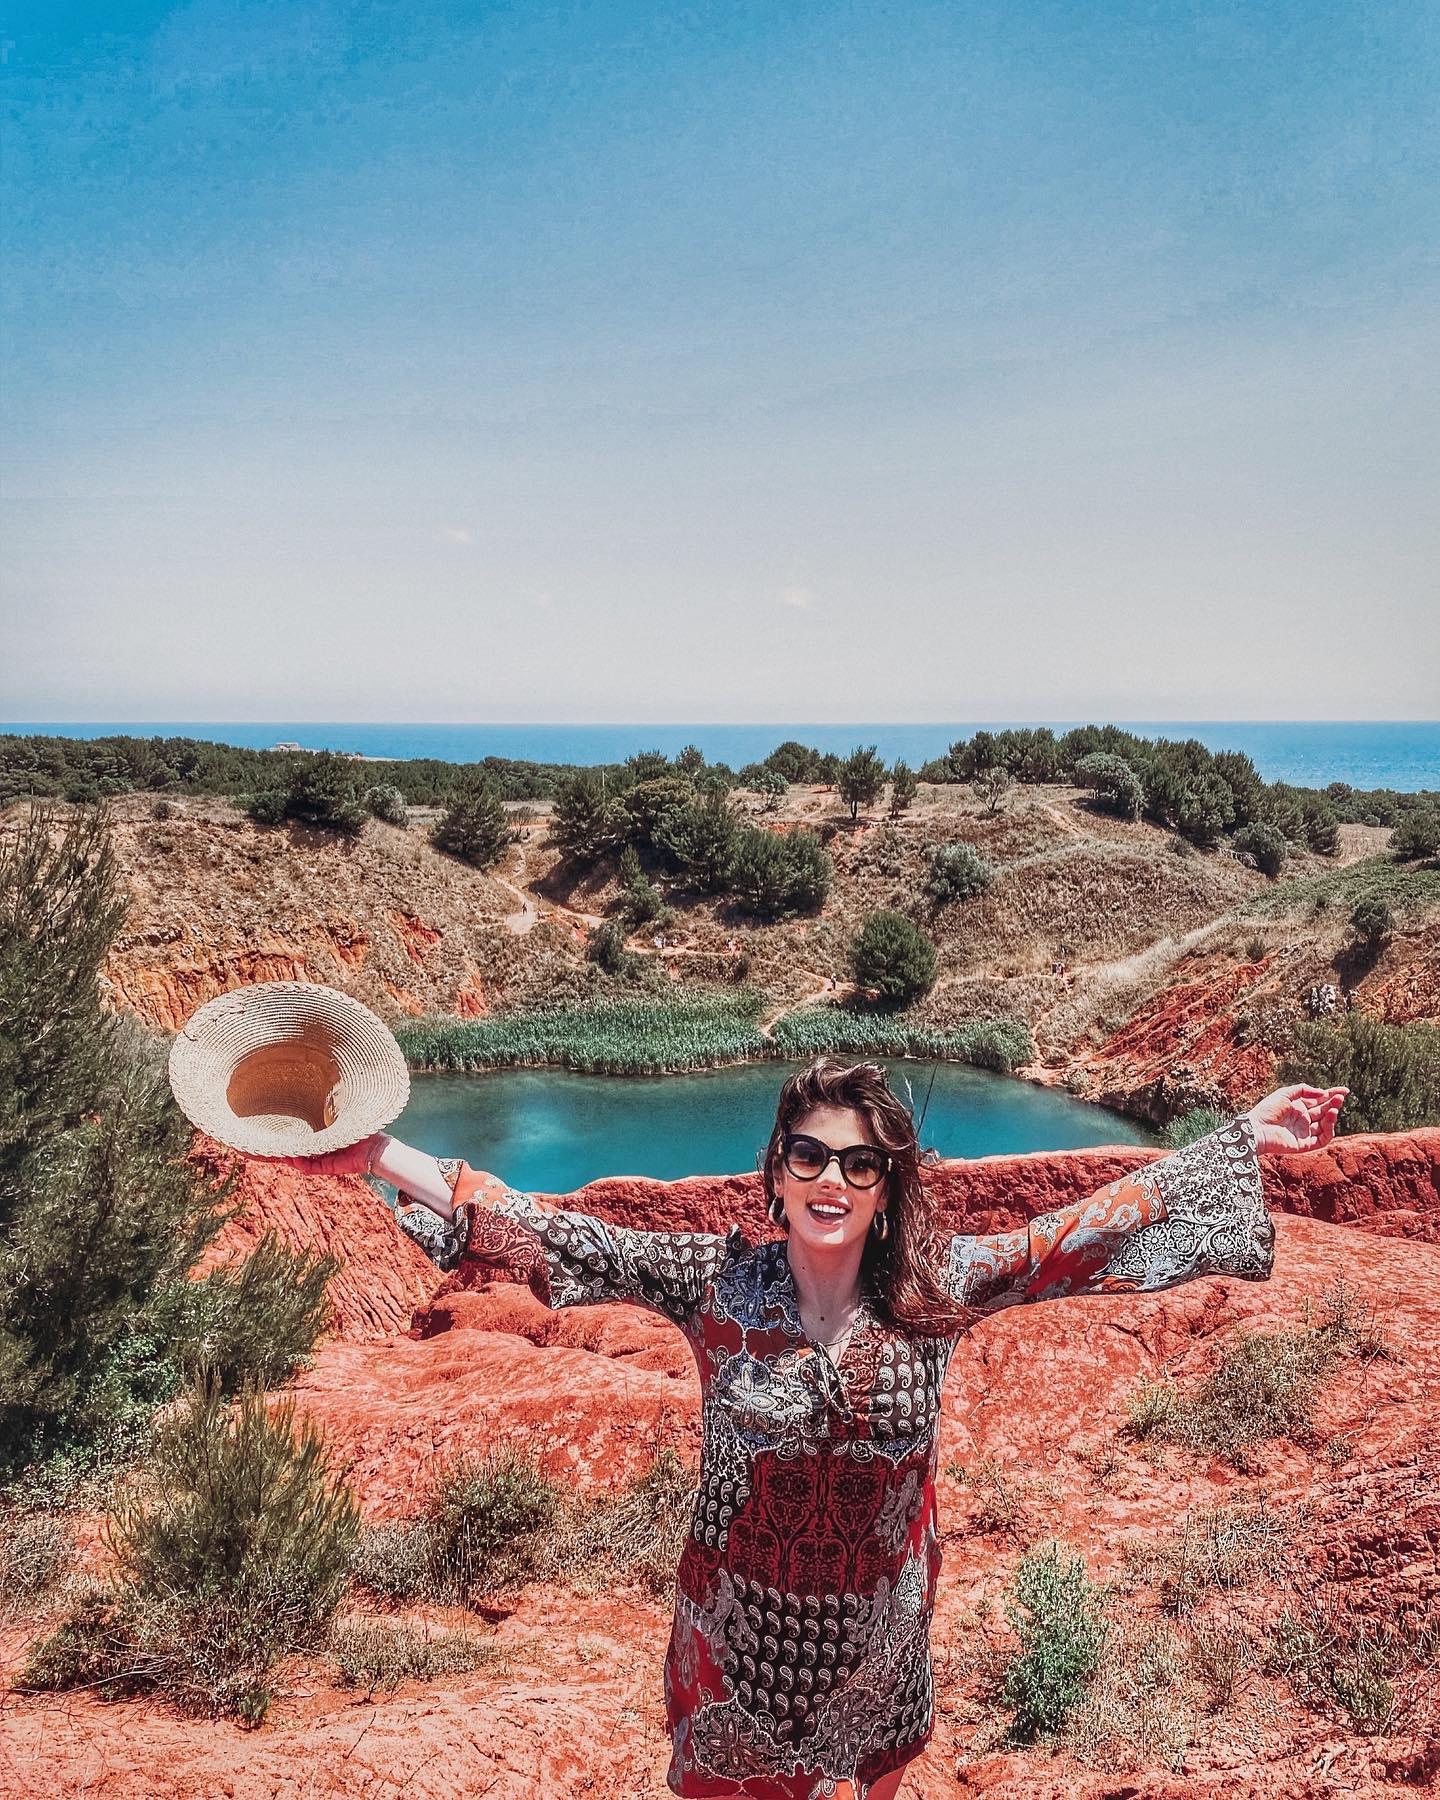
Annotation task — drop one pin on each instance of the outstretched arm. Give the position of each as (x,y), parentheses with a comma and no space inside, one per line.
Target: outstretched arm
(566,1258)
(1199,1211)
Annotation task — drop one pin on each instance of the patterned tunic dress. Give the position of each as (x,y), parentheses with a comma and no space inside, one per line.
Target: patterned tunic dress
(799,1659)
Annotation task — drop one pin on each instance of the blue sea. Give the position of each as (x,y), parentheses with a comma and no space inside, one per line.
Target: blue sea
(1399,754)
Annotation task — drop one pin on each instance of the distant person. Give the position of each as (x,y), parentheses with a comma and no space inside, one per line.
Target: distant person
(799,1657)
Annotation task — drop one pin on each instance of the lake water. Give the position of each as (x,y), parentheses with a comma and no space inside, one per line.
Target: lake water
(1399,754)
(548,1131)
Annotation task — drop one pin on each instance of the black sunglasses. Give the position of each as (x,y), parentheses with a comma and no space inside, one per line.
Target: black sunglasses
(862,1165)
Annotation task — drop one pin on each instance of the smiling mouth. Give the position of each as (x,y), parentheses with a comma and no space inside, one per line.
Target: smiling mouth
(823,1210)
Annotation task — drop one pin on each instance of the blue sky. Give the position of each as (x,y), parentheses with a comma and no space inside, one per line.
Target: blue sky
(732,362)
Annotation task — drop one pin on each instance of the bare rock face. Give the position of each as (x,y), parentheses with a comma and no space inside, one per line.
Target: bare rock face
(1032,1447)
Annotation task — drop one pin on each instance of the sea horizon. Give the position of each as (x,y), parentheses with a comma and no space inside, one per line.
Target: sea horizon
(1399,754)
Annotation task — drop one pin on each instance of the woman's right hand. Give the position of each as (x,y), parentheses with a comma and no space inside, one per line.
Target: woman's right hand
(354,1159)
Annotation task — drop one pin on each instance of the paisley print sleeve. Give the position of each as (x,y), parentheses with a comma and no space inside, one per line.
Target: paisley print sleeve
(570,1258)
(1199,1211)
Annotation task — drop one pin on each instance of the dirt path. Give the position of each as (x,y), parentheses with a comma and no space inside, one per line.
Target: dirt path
(829,989)
(524,920)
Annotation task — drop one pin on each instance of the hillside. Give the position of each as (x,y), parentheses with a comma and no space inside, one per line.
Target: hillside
(1152,976)
(1335,1524)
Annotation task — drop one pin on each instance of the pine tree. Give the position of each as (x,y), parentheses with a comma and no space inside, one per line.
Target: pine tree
(102,1214)
(860,778)
(99,1210)
(474,827)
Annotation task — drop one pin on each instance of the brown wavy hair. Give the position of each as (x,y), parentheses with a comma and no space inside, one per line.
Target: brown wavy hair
(902,1272)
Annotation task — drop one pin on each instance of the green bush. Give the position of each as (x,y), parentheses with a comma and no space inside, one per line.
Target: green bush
(482,1510)
(861,778)
(894,957)
(1417,835)
(640,901)
(1199,1122)
(1392,1071)
(1115,783)
(904,785)
(388,803)
(588,819)
(1058,1614)
(700,839)
(1372,919)
(233,1554)
(474,827)
(323,790)
(957,872)
(101,1214)
(265,807)
(606,948)
(252,1321)
(1265,844)
(775,874)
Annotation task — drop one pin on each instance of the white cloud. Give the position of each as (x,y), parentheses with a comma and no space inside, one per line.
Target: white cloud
(457,534)
(798,597)
(544,600)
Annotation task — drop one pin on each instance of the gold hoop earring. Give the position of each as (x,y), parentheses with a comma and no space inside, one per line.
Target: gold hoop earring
(776,1210)
(881,1226)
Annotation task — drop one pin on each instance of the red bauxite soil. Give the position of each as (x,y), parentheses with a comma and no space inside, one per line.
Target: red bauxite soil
(573,1704)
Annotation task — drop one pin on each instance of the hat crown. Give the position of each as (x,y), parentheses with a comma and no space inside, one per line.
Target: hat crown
(288,1068)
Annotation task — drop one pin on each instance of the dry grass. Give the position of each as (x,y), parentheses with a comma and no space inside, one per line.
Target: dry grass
(1380,1674)
(1005,1500)
(1265,1384)
(378,1654)
(1134,1713)
(37,1553)
(1220,1549)
(502,1524)
(1219,1651)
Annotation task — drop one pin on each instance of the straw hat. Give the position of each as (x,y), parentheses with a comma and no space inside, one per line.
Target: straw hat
(288,1068)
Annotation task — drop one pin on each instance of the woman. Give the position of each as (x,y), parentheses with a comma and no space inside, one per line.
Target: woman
(798,1663)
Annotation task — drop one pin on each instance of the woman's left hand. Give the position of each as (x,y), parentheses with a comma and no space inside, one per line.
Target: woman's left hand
(1297,1118)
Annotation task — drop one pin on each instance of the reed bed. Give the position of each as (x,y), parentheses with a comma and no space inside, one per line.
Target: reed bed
(640,1036)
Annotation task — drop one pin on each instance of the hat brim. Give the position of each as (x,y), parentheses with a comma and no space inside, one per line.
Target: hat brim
(337,1071)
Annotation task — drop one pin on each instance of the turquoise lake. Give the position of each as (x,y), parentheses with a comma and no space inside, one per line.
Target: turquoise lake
(548,1131)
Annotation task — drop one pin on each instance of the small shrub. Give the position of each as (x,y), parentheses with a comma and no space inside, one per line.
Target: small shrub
(267,807)
(1199,1122)
(1264,1385)
(640,1532)
(1334,1657)
(1264,844)
(323,791)
(255,1321)
(1058,1615)
(233,1553)
(393,1560)
(957,872)
(1004,1499)
(1392,1071)
(1372,919)
(894,957)
(606,949)
(162,809)
(1218,1653)
(1417,835)
(1132,1711)
(377,1654)
(1255,949)
(36,1553)
(1224,1548)
(484,1512)
(388,803)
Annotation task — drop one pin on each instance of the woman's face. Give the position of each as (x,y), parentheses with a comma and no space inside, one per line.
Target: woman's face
(830,1213)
